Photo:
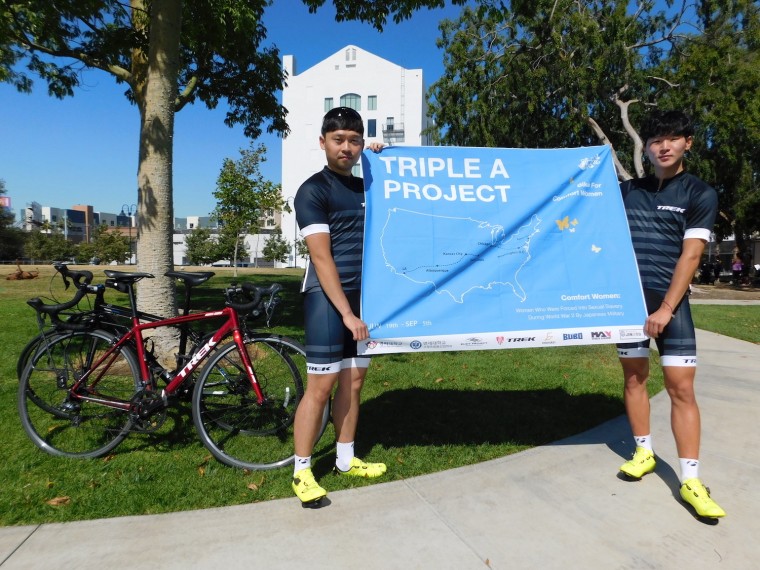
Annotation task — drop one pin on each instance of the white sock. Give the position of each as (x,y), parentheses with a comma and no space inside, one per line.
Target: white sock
(301,463)
(689,468)
(344,455)
(644,441)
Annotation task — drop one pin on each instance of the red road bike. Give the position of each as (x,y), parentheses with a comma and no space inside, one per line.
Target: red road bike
(83,391)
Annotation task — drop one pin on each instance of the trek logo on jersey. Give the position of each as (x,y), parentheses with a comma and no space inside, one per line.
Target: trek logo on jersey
(672,209)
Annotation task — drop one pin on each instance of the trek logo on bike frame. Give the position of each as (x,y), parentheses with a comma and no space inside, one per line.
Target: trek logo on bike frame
(197,357)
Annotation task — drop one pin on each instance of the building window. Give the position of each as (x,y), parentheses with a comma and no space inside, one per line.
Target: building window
(351,100)
(372,128)
(328,103)
(372,103)
(351,54)
(389,123)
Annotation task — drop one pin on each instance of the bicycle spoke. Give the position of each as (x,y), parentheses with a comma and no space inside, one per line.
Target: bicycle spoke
(58,421)
(233,425)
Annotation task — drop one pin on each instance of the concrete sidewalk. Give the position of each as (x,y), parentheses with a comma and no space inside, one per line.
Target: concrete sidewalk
(556,506)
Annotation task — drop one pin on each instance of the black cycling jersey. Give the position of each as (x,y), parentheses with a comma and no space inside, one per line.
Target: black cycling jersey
(660,219)
(332,203)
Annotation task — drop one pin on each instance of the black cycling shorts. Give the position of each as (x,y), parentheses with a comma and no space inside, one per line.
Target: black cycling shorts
(677,343)
(330,346)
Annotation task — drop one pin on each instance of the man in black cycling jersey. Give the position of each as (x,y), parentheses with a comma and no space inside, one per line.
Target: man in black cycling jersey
(671,214)
(330,213)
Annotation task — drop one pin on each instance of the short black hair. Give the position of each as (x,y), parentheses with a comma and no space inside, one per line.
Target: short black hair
(662,123)
(342,119)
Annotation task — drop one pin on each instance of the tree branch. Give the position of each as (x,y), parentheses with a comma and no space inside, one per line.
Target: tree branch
(115,70)
(623,174)
(638,145)
(669,83)
(186,95)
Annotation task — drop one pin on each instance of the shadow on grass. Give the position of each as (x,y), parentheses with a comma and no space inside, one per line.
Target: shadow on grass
(418,416)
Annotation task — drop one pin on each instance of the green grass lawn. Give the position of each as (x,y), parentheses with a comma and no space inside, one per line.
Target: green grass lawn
(738,321)
(421,413)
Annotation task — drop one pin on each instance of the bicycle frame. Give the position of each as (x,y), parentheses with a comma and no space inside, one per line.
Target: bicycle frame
(231,326)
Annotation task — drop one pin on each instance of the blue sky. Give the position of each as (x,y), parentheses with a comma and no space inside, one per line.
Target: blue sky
(83,149)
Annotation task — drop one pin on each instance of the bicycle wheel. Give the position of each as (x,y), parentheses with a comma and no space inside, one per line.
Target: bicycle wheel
(63,425)
(236,429)
(31,347)
(104,322)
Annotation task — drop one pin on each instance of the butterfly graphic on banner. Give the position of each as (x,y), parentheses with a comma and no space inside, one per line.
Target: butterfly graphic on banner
(565,223)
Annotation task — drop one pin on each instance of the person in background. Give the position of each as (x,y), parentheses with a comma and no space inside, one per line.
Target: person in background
(737,268)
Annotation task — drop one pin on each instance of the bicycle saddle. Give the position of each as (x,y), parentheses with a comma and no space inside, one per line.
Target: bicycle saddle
(191,277)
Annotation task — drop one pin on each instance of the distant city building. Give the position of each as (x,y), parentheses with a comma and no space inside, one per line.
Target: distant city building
(390,98)
(77,224)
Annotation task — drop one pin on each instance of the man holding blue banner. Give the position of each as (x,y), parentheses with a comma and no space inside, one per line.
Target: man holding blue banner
(671,215)
(330,212)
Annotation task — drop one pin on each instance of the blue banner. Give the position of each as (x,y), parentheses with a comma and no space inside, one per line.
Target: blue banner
(484,248)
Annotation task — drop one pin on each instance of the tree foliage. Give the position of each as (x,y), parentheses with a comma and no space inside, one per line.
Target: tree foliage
(302,250)
(219,52)
(243,195)
(107,246)
(555,73)
(48,247)
(169,54)
(717,74)
(277,247)
(200,248)
(544,73)
(11,238)
(230,245)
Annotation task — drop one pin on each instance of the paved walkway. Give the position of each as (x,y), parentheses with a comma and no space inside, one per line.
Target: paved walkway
(557,506)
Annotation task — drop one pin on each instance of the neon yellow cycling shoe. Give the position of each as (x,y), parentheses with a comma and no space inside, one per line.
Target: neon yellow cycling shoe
(640,464)
(361,469)
(697,495)
(306,487)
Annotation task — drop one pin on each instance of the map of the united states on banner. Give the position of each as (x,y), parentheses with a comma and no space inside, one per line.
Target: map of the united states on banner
(474,248)
(446,269)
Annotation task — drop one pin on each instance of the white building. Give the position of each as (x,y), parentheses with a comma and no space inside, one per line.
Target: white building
(390,99)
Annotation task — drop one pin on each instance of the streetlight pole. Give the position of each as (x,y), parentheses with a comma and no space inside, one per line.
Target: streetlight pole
(129,210)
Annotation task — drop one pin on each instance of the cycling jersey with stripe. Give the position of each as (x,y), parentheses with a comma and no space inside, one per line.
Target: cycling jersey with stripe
(660,220)
(331,203)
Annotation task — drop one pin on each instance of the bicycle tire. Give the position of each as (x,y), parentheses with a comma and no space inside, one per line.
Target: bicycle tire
(237,430)
(31,348)
(65,427)
(104,322)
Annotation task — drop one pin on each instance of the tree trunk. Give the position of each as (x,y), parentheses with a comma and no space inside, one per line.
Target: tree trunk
(155,213)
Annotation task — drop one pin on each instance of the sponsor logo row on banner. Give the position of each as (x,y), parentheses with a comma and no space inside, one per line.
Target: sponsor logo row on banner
(505,340)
